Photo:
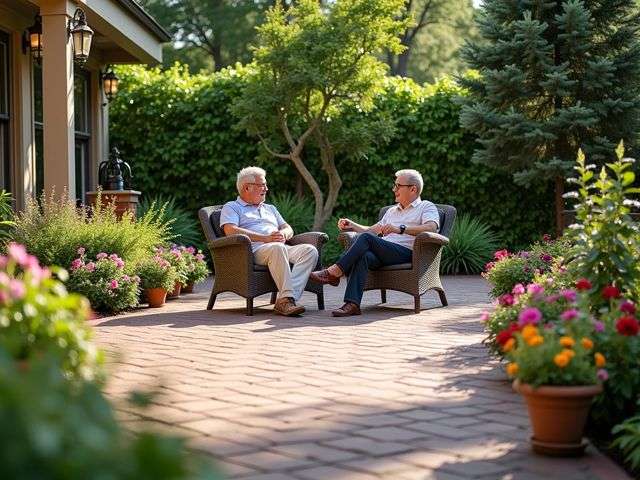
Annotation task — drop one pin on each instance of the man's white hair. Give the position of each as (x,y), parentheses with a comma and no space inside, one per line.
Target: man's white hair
(413,177)
(249,175)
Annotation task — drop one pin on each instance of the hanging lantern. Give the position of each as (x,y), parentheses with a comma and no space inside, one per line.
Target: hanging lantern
(32,40)
(82,36)
(110,84)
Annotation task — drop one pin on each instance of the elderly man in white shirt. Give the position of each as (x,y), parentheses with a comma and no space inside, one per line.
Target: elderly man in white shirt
(388,242)
(262,223)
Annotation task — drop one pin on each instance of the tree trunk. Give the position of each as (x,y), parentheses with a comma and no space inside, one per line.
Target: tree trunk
(216,53)
(559,204)
(402,65)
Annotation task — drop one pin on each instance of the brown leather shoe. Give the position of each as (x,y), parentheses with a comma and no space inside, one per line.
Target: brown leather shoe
(287,307)
(347,310)
(324,277)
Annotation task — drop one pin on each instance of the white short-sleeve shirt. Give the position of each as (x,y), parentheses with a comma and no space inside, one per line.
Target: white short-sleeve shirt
(263,219)
(417,213)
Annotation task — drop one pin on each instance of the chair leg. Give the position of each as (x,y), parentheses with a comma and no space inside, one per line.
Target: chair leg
(443,298)
(320,300)
(383,295)
(249,307)
(274,297)
(416,303)
(212,301)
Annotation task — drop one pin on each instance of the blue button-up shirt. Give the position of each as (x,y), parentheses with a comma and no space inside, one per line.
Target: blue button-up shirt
(262,219)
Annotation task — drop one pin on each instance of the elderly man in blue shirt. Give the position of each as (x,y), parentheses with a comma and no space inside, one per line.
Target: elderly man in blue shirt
(388,242)
(289,265)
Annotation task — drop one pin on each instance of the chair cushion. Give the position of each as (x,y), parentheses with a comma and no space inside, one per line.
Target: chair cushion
(399,266)
(260,268)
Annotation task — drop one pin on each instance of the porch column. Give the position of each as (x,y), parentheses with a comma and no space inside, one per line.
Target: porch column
(57,92)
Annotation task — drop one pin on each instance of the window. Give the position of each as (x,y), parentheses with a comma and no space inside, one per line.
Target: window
(5,105)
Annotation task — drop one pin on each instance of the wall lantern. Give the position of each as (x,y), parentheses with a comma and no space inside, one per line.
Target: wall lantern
(82,35)
(32,40)
(110,83)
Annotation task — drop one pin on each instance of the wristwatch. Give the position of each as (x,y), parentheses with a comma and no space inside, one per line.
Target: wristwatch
(402,229)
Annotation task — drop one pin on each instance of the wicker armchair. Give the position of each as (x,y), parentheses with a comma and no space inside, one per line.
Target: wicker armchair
(235,270)
(423,273)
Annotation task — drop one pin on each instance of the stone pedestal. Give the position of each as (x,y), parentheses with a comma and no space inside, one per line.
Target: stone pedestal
(125,200)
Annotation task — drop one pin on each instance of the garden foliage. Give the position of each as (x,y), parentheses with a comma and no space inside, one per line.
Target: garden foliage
(156,272)
(182,224)
(471,246)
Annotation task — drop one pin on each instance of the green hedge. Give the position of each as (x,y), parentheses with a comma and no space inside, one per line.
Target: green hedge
(177,132)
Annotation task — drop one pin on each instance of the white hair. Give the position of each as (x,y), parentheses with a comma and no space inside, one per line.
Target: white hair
(249,175)
(413,176)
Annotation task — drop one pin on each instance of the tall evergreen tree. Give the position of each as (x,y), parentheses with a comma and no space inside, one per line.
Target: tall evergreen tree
(555,76)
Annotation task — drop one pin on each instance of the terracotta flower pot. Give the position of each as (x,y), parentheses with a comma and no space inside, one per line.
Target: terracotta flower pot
(155,296)
(175,293)
(188,288)
(558,415)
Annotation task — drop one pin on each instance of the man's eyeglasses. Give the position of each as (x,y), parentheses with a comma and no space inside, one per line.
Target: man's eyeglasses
(259,185)
(396,186)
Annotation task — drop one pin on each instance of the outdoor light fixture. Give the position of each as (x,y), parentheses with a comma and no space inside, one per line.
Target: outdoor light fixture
(110,83)
(32,40)
(82,36)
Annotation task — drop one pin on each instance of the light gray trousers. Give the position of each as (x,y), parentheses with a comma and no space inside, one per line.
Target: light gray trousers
(289,265)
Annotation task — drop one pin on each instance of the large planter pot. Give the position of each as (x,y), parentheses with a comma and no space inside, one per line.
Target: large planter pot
(175,293)
(188,288)
(155,296)
(558,415)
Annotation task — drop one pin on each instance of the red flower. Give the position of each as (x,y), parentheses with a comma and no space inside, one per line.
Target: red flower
(546,238)
(500,254)
(628,326)
(628,307)
(610,292)
(507,333)
(506,300)
(583,284)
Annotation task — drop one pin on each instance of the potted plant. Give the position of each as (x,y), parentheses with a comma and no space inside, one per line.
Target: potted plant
(157,277)
(197,269)
(178,261)
(558,369)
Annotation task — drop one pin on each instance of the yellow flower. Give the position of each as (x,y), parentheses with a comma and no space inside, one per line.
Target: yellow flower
(512,369)
(587,343)
(529,331)
(567,342)
(535,341)
(509,344)
(561,360)
(570,353)
(600,360)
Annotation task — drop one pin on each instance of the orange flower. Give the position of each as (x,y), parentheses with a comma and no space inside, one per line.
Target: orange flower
(567,342)
(561,360)
(508,346)
(568,352)
(529,331)
(587,343)
(535,341)
(600,360)
(512,369)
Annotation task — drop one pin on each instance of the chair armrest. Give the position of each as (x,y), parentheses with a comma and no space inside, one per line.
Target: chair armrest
(317,239)
(431,237)
(347,238)
(230,241)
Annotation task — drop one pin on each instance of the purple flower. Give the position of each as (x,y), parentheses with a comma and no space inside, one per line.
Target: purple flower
(530,315)
(81,251)
(518,289)
(17,290)
(603,375)
(545,257)
(535,289)
(101,255)
(568,315)
(90,267)
(191,250)
(113,284)
(524,254)
(569,295)
(598,326)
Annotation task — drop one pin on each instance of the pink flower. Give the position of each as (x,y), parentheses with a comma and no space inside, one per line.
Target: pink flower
(598,326)
(535,289)
(569,295)
(4,278)
(505,300)
(200,257)
(530,315)
(17,290)
(119,263)
(484,316)
(500,254)
(76,264)
(4,297)
(628,307)
(113,257)
(524,254)
(568,315)
(101,255)
(191,250)
(18,253)
(114,284)
(518,289)
(126,278)
(603,375)
(90,267)
(489,266)
(552,298)
(81,251)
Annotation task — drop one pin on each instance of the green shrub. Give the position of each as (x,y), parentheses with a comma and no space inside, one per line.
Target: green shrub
(54,230)
(197,269)
(177,259)
(173,157)
(37,315)
(471,246)
(156,272)
(628,441)
(104,282)
(7,216)
(296,212)
(53,429)
(182,225)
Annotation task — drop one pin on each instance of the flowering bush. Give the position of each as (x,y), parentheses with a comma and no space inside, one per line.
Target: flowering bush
(197,269)
(177,258)
(103,281)
(37,315)
(156,272)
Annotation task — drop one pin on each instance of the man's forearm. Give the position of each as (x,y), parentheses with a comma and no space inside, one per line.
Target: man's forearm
(287,231)
(253,236)
(416,229)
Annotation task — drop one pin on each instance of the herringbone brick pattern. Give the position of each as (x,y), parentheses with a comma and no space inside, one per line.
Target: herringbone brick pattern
(389,394)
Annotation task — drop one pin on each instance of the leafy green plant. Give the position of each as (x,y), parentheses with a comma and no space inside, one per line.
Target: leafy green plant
(54,230)
(628,441)
(156,272)
(37,315)
(7,223)
(297,212)
(177,258)
(104,282)
(471,246)
(183,225)
(197,269)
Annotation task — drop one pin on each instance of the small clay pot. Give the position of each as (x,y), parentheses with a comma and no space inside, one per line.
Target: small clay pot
(155,297)
(175,293)
(188,288)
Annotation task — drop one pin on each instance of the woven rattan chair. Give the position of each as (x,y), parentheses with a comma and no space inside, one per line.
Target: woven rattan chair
(235,270)
(423,273)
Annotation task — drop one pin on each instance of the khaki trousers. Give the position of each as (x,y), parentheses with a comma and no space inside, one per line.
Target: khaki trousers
(289,265)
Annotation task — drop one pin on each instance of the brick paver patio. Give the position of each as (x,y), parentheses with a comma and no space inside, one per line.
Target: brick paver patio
(389,394)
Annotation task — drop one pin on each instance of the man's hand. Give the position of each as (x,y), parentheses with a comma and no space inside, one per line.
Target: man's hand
(275,236)
(387,229)
(376,229)
(345,225)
